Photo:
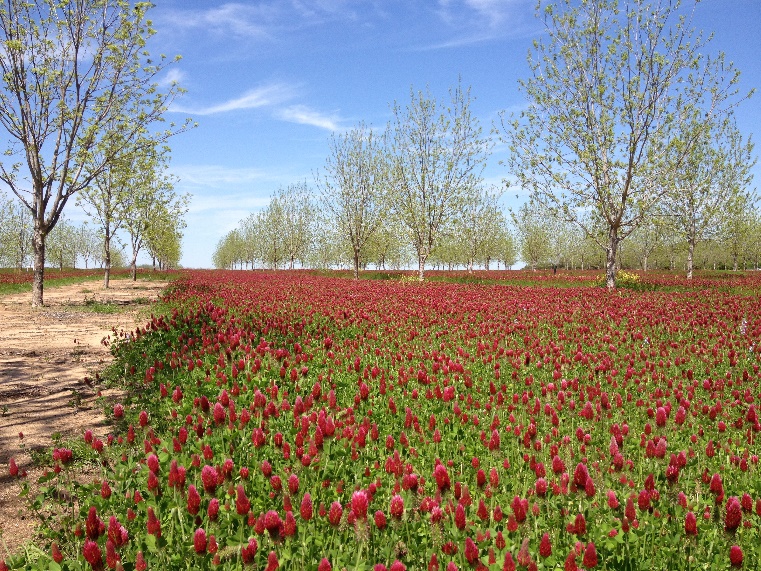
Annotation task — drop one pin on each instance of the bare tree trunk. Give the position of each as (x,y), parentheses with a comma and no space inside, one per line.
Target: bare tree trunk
(107,264)
(644,263)
(610,263)
(38,243)
(421,267)
(356,264)
(470,265)
(107,257)
(690,256)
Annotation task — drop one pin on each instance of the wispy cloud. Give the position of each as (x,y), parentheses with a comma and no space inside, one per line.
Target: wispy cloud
(459,41)
(235,206)
(270,96)
(495,12)
(489,13)
(269,20)
(173,76)
(217,176)
(264,96)
(477,21)
(233,18)
(305,115)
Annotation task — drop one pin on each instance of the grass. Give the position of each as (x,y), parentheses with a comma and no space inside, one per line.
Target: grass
(94,306)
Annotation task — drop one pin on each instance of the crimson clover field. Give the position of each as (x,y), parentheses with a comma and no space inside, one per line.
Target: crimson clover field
(298,421)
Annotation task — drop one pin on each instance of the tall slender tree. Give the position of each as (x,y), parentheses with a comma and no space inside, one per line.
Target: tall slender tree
(15,234)
(153,202)
(62,246)
(438,155)
(354,188)
(717,169)
(228,252)
(738,229)
(646,238)
(90,245)
(119,186)
(298,214)
(611,88)
(533,233)
(477,226)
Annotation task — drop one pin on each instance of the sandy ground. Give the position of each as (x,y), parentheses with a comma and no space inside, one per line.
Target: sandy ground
(49,360)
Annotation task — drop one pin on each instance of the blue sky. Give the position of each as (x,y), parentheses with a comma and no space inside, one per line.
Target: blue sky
(268,81)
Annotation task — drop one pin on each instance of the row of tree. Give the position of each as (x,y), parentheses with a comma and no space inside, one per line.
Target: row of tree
(146,221)
(270,239)
(309,238)
(733,242)
(628,119)
(414,195)
(629,132)
(67,244)
(80,104)
(421,179)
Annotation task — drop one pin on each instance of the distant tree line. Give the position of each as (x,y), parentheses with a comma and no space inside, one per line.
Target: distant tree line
(156,230)
(732,242)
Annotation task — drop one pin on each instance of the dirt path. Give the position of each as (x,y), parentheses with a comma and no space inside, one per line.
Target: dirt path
(48,362)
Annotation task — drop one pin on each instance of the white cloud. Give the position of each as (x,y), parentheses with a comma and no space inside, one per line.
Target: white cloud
(493,13)
(268,20)
(172,77)
(458,42)
(236,19)
(477,21)
(272,96)
(306,116)
(216,176)
(233,206)
(265,96)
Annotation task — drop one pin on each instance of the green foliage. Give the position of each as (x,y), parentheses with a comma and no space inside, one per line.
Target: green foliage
(59,107)
(626,280)
(15,234)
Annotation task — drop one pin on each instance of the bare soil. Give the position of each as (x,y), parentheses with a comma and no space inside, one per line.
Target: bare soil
(50,359)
